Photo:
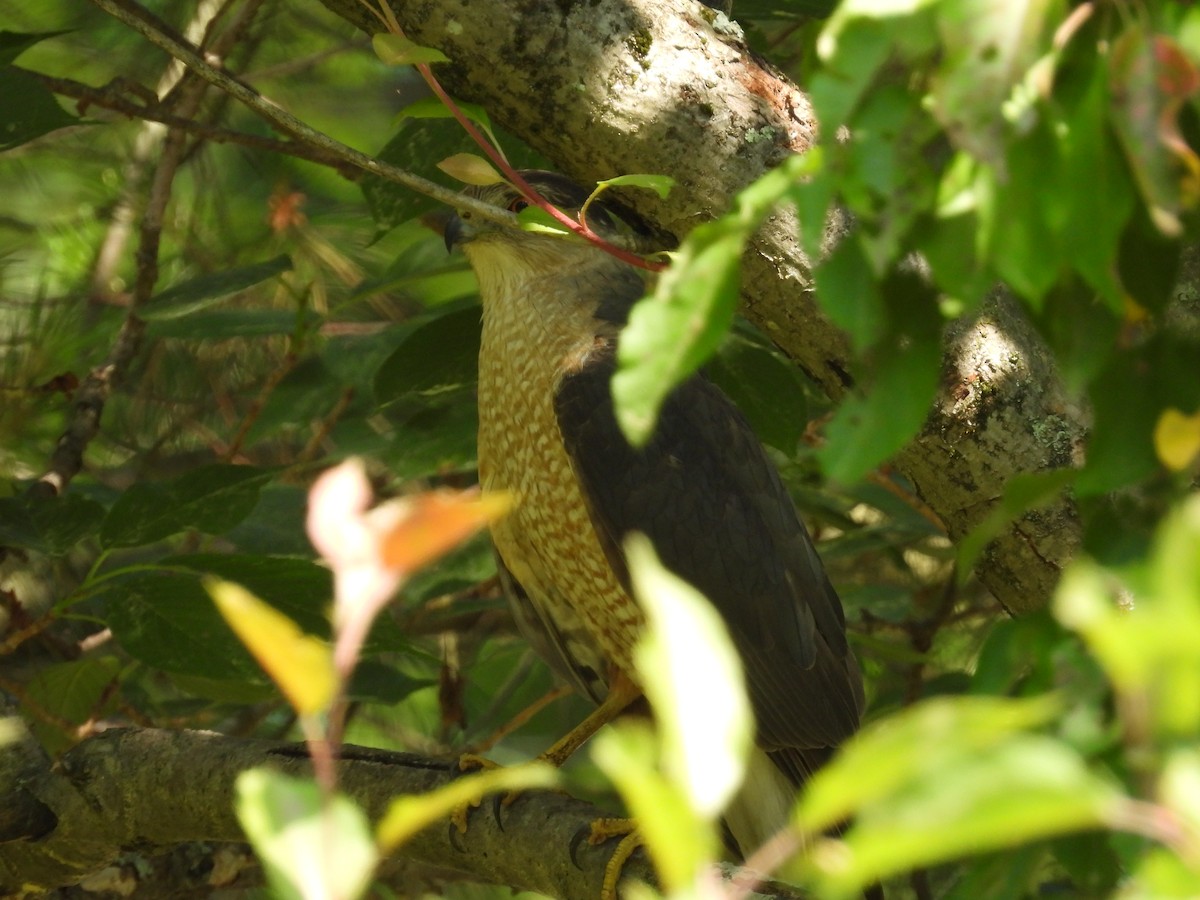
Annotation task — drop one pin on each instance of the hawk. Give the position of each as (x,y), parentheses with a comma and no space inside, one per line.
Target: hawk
(703,490)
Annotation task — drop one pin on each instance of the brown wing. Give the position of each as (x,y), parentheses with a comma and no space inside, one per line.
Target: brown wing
(708,497)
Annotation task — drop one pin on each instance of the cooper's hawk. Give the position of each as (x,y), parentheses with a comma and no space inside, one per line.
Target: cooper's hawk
(703,490)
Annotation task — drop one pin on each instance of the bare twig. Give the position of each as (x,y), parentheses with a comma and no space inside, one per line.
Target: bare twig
(149,27)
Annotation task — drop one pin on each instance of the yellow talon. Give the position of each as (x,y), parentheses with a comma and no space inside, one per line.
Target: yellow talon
(631,839)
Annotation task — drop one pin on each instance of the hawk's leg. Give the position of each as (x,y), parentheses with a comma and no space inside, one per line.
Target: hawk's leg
(626,829)
(621,693)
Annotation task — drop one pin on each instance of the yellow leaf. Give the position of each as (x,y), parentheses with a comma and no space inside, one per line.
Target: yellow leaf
(400,51)
(438,521)
(410,814)
(470,169)
(1177,439)
(299,663)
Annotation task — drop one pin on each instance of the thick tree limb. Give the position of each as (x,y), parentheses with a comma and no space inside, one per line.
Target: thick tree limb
(145,788)
(607,87)
(150,790)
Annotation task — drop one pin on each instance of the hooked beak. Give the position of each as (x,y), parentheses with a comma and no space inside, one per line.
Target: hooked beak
(446,223)
(453,233)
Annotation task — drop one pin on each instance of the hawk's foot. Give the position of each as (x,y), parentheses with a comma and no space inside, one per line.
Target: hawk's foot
(631,839)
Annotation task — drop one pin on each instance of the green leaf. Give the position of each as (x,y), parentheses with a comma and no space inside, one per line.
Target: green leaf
(538,221)
(679,841)
(27,109)
(849,294)
(206,290)
(310,846)
(1094,220)
(437,362)
(989,47)
(166,620)
(75,692)
(434,108)
(406,816)
(768,389)
(916,743)
(211,499)
(869,428)
(1022,242)
(400,51)
(14,43)
(51,525)
(1137,115)
(223,324)
(660,184)
(674,330)
(1029,787)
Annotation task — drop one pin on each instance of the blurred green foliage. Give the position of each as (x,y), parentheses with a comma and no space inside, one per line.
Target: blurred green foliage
(1039,144)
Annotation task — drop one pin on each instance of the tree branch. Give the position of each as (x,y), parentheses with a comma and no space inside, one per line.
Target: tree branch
(149,789)
(606,87)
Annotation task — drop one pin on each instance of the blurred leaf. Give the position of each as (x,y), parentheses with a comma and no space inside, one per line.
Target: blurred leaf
(300,664)
(1162,875)
(470,168)
(679,842)
(434,108)
(14,43)
(1094,220)
(849,294)
(436,521)
(990,47)
(206,290)
(1146,638)
(406,816)
(211,499)
(1024,247)
(311,847)
(977,799)
(852,49)
(1136,114)
(869,428)
(1177,439)
(675,329)
(396,50)
(27,109)
(51,525)
(693,677)
(918,743)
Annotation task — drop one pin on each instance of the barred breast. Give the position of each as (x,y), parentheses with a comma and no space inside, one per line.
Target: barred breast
(547,541)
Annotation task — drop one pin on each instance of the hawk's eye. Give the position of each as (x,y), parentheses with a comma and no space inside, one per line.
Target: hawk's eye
(517,204)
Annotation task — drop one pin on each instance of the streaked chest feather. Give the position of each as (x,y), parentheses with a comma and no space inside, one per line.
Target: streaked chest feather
(547,541)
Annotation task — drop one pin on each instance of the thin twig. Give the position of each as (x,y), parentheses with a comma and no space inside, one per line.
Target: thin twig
(145,24)
(576,226)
